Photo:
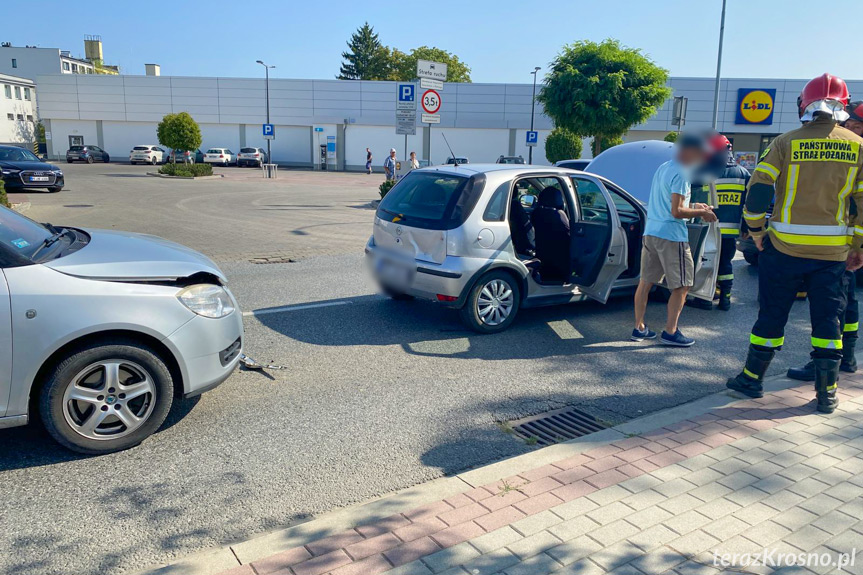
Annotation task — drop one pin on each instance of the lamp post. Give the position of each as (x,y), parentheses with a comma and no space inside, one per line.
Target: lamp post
(718,69)
(267,70)
(532,108)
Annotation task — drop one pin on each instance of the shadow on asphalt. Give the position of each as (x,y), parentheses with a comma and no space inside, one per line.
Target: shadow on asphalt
(32,446)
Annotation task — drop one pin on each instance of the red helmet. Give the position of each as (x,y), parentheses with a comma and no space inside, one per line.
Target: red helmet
(719,143)
(855,111)
(824,87)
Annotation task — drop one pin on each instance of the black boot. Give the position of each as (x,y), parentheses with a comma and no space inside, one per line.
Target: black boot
(805,373)
(724,298)
(826,377)
(849,361)
(699,303)
(749,381)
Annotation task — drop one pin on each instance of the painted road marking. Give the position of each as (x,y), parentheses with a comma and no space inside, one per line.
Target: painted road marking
(565,330)
(288,308)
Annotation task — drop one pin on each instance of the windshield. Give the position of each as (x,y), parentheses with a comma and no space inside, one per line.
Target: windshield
(142,148)
(21,234)
(17,155)
(214,151)
(432,200)
(248,150)
(76,148)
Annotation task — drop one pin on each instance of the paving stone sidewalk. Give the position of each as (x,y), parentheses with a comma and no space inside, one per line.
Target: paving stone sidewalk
(752,475)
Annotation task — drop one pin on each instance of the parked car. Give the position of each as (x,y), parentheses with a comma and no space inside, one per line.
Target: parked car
(22,169)
(457,160)
(222,156)
(252,157)
(185,156)
(572,164)
(510,160)
(147,155)
(100,330)
(87,154)
(443,234)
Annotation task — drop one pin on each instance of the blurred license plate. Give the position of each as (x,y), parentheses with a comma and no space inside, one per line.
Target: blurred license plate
(395,274)
(39,178)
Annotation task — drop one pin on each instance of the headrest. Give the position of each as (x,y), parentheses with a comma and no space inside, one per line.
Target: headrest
(551,197)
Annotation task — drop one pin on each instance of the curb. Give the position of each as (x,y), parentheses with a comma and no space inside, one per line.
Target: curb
(242,553)
(22,207)
(158,175)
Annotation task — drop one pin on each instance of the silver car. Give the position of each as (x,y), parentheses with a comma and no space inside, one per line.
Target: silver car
(100,330)
(444,234)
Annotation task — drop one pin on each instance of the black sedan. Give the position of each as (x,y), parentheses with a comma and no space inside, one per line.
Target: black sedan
(21,169)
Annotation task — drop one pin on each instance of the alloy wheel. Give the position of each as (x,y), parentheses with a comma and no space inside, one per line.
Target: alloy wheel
(495,302)
(109,399)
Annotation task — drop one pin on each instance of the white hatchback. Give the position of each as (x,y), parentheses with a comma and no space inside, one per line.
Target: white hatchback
(221,156)
(147,155)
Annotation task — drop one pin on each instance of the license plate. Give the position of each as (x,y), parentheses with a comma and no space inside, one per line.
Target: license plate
(39,178)
(394,274)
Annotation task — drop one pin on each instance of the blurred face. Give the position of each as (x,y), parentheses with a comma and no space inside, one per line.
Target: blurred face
(855,126)
(413,155)
(393,153)
(690,157)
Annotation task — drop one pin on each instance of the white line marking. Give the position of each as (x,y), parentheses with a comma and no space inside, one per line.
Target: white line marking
(288,308)
(565,330)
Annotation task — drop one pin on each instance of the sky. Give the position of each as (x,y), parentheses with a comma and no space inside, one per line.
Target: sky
(501,40)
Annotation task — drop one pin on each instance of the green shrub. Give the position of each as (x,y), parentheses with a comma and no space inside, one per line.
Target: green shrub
(670,137)
(561,144)
(385,187)
(187,170)
(4,200)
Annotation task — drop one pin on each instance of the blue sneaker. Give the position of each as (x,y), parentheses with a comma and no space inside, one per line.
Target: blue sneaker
(641,335)
(677,340)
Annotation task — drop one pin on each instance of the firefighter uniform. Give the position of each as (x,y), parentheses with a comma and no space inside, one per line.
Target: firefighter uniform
(730,193)
(815,172)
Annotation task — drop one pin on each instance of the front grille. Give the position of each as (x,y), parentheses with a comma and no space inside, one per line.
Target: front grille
(230,353)
(555,426)
(25,178)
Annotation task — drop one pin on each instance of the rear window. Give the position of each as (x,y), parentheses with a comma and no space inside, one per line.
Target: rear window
(248,150)
(432,200)
(76,148)
(142,148)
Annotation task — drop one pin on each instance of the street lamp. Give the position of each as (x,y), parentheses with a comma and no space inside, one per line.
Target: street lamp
(267,69)
(718,69)
(532,108)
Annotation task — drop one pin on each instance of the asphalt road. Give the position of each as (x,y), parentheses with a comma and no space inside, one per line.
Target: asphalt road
(378,394)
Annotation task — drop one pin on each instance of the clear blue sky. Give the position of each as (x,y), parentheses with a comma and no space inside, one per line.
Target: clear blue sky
(500,40)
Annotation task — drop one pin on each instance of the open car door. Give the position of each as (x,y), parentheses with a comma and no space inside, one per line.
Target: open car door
(598,242)
(704,243)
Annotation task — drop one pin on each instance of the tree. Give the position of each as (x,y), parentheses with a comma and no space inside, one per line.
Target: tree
(670,137)
(602,89)
(404,66)
(599,146)
(179,132)
(366,58)
(4,199)
(561,144)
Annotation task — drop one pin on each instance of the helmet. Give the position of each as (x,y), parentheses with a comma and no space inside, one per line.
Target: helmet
(827,94)
(855,111)
(719,143)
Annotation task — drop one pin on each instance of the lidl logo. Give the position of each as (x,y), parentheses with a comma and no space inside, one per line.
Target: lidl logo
(755,106)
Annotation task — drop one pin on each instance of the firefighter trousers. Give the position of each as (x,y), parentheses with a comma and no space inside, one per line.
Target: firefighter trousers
(727,249)
(779,276)
(852,309)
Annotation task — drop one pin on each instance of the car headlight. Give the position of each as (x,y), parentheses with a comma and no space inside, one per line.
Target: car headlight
(207,300)
(10,171)
(57,172)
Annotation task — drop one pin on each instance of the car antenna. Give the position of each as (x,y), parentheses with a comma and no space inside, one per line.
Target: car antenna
(451,153)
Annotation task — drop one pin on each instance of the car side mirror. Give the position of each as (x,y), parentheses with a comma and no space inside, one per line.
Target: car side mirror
(527,200)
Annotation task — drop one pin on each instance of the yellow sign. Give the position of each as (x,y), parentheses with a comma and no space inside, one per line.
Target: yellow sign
(755,106)
(825,150)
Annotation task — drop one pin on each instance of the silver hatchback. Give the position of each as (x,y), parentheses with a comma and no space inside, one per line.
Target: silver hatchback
(100,330)
(455,235)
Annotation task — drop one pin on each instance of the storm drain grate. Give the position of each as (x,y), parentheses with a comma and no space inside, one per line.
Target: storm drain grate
(555,426)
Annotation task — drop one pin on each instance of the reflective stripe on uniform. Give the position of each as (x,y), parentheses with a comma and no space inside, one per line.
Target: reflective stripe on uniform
(858,231)
(722,181)
(750,374)
(725,277)
(810,235)
(768,169)
(766,341)
(851,326)
(790,192)
(736,187)
(753,217)
(832,387)
(729,231)
(822,343)
(843,193)
(860,186)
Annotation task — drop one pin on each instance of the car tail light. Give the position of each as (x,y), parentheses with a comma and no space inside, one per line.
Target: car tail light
(442,297)
(257,155)
(221,155)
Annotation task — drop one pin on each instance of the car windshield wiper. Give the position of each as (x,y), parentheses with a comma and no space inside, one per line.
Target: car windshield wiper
(52,239)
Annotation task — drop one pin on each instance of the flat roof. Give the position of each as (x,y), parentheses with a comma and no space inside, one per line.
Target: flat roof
(16,80)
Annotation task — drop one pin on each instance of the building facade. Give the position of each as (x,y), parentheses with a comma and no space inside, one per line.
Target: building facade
(30,61)
(480,121)
(17,110)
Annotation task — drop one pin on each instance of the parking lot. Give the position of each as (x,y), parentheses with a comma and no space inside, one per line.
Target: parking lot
(377,395)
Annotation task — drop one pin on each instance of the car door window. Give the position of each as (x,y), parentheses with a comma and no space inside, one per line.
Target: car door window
(495,211)
(593,206)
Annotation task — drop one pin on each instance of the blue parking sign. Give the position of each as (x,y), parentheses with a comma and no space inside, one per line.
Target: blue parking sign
(406,92)
(532,138)
(269,131)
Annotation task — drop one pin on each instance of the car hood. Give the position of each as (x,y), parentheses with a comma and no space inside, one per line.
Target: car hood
(35,166)
(127,256)
(632,165)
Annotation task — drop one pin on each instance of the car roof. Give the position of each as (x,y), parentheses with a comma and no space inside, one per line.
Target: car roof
(471,169)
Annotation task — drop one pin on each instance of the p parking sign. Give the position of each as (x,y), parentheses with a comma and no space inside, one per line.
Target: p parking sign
(269,131)
(532,138)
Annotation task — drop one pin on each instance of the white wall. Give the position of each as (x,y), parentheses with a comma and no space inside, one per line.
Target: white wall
(120,137)
(61,129)
(220,136)
(291,146)
(380,139)
(16,131)
(479,146)
(31,62)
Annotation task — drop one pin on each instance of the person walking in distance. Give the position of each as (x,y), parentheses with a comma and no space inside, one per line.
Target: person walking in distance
(813,171)
(666,238)
(390,165)
(368,161)
(414,162)
(850,325)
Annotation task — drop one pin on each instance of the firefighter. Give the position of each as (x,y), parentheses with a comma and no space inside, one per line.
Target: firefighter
(813,171)
(852,310)
(731,193)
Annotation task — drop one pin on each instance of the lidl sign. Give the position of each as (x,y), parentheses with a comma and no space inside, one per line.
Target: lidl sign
(755,106)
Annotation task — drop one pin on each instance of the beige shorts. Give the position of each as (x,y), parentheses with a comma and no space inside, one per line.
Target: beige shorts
(660,257)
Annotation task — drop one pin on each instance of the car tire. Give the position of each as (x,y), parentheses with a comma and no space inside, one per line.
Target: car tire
(66,419)
(131,163)
(751,258)
(106,159)
(68,161)
(89,159)
(481,314)
(55,189)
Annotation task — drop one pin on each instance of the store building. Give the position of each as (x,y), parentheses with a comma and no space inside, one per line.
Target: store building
(17,111)
(331,122)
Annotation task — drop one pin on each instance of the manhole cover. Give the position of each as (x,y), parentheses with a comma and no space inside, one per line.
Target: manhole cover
(555,426)
(273,260)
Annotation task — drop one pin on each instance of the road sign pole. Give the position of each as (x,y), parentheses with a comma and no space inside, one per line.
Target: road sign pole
(269,155)
(532,109)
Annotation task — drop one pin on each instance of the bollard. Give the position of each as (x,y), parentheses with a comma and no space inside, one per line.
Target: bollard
(270,170)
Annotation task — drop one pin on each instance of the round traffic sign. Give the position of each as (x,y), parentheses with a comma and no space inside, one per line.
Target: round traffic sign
(431,102)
